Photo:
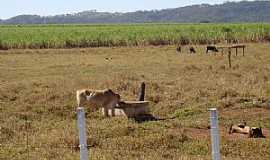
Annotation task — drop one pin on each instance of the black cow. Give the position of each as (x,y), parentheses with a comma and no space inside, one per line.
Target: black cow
(179,49)
(192,50)
(211,48)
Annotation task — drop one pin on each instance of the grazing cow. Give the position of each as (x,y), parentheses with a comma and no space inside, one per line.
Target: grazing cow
(211,48)
(106,99)
(179,49)
(192,50)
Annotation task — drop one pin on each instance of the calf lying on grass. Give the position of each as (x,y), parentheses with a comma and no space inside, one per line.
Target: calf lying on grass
(253,132)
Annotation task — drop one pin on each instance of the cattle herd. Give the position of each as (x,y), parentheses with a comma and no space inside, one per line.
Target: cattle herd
(214,49)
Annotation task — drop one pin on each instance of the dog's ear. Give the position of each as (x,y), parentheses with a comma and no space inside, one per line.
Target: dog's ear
(87,93)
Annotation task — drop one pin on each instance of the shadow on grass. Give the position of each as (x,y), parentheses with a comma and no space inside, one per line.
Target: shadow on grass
(149,117)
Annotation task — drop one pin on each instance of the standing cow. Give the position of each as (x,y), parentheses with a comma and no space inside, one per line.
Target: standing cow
(211,48)
(192,50)
(179,49)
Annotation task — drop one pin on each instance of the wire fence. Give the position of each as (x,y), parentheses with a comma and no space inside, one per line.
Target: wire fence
(26,148)
(20,138)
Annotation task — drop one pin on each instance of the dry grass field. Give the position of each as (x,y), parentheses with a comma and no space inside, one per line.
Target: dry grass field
(37,99)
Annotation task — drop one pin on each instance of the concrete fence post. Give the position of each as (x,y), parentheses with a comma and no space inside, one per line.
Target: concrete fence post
(214,134)
(82,133)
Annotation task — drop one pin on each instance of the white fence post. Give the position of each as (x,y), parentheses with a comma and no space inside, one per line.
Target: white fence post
(214,134)
(82,133)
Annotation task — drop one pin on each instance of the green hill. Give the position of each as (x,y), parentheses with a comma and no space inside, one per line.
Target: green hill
(245,11)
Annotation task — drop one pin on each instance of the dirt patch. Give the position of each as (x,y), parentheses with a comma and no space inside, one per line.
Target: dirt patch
(197,133)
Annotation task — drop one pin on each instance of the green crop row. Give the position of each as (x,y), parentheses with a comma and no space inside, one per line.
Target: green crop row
(71,36)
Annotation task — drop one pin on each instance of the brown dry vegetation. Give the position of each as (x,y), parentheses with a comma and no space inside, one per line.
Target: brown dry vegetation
(39,86)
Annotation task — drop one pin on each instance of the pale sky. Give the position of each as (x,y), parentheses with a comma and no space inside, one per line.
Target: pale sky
(10,8)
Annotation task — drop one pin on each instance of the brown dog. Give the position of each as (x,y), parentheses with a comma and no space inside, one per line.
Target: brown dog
(106,99)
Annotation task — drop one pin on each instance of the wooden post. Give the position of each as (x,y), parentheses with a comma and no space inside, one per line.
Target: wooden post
(236,51)
(214,134)
(243,50)
(141,92)
(82,133)
(229,58)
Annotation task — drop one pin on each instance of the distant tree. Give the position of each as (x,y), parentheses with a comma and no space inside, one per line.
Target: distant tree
(205,21)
